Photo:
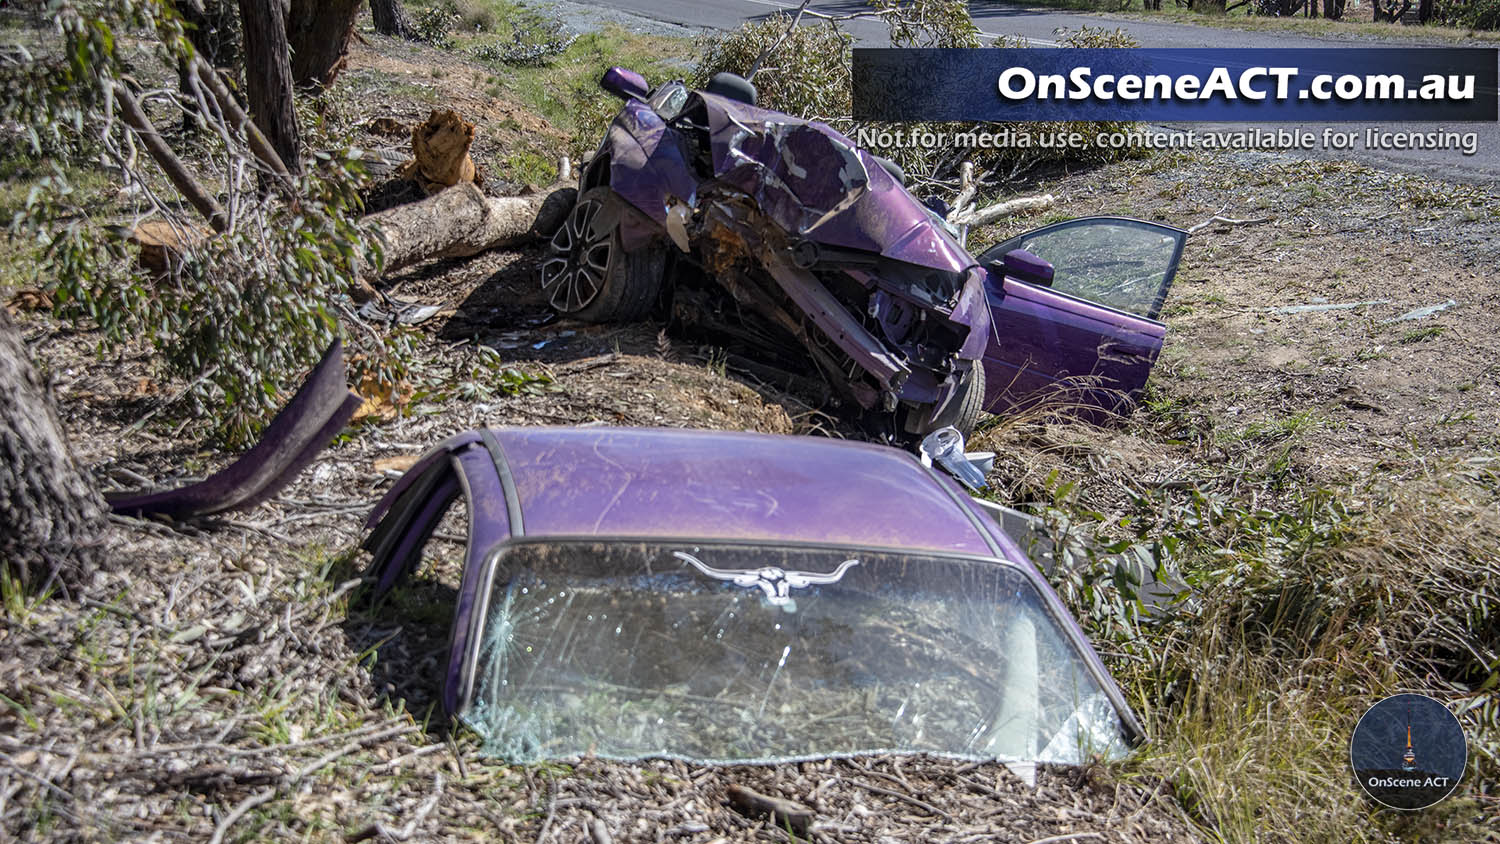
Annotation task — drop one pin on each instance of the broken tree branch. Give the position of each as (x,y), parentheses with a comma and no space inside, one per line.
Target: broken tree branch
(1228,221)
(775,45)
(183,179)
(967,185)
(240,121)
(1005,209)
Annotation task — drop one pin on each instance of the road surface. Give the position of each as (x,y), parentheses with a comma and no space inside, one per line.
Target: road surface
(1039,27)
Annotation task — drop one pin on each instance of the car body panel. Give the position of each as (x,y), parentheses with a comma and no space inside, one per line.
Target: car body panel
(321,408)
(1044,341)
(668,486)
(816,183)
(697,165)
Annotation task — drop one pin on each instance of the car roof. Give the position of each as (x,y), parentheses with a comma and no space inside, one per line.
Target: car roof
(714,485)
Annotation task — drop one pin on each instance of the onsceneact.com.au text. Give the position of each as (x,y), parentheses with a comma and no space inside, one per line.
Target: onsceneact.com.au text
(1255,83)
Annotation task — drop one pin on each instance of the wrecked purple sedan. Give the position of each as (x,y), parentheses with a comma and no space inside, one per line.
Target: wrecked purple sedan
(732,597)
(782,241)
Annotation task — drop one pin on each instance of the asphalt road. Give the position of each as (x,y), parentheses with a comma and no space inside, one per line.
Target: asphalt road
(1039,26)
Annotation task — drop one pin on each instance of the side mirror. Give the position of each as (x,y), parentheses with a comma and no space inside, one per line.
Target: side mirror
(625,84)
(1020,264)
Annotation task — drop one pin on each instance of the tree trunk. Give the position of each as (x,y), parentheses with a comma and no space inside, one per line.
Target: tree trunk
(214,31)
(268,78)
(390,19)
(51,517)
(319,32)
(461,221)
(1424,11)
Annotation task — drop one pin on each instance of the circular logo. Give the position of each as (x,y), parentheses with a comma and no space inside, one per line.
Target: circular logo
(1408,752)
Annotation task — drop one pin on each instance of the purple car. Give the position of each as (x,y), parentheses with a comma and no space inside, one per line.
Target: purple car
(732,597)
(782,241)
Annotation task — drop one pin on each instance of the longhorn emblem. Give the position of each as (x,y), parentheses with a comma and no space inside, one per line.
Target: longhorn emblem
(775,582)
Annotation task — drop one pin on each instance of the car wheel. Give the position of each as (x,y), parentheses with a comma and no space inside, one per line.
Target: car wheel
(587,274)
(964,410)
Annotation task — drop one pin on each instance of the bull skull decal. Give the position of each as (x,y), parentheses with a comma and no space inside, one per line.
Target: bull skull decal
(776,583)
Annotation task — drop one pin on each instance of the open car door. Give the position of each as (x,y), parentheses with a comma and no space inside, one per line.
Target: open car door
(1075,309)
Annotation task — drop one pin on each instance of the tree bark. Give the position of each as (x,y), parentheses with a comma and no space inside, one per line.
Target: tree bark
(461,221)
(268,78)
(51,517)
(390,19)
(319,32)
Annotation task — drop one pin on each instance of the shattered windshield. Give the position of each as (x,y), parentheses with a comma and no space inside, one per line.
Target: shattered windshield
(738,653)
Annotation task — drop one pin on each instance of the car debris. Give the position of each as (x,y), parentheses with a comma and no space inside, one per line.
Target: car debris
(945,446)
(781,240)
(726,597)
(321,408)
(1421,313)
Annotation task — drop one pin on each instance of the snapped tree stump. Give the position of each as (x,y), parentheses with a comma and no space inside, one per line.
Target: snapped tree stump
(440,146)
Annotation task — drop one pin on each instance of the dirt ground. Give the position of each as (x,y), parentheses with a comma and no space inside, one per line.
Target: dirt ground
(227,688)
(1350,320)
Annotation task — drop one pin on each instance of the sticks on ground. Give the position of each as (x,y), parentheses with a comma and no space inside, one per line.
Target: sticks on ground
(1227,221)
(784,814)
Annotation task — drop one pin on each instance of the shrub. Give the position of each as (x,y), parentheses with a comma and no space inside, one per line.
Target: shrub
(1478,14)
(435,24)
(807,75)
(806,72)
(1296,617)
(535,41)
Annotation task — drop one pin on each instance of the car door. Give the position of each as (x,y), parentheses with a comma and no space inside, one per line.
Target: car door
(1089,335)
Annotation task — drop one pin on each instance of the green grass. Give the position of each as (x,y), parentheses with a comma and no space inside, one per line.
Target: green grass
(565,90)
(1418,335)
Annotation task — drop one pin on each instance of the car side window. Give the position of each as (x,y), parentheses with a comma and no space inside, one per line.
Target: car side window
(1123,264)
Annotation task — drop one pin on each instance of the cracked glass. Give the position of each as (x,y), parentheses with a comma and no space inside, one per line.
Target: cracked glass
(739,653)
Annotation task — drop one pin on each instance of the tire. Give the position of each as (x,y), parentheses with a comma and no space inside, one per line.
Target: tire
(588,275)
(963,411)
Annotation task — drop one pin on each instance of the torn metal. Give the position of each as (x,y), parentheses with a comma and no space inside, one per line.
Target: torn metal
(791,245)
(321,408)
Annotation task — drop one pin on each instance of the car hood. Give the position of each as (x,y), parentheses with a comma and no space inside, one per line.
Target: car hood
(815,183)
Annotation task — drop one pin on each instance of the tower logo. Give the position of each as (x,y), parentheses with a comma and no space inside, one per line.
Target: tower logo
(1408,752)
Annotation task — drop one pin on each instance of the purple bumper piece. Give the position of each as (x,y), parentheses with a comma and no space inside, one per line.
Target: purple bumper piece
(319,410)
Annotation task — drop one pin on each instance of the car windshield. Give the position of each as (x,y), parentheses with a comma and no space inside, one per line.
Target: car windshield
(1123,264)
(739,653)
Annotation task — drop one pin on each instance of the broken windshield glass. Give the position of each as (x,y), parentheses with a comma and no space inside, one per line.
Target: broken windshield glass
(741,653)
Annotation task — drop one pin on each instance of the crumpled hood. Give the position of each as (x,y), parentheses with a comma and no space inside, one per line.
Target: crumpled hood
(817,184)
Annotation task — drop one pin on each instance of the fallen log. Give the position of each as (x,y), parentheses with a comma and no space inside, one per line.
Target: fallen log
(461,221)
